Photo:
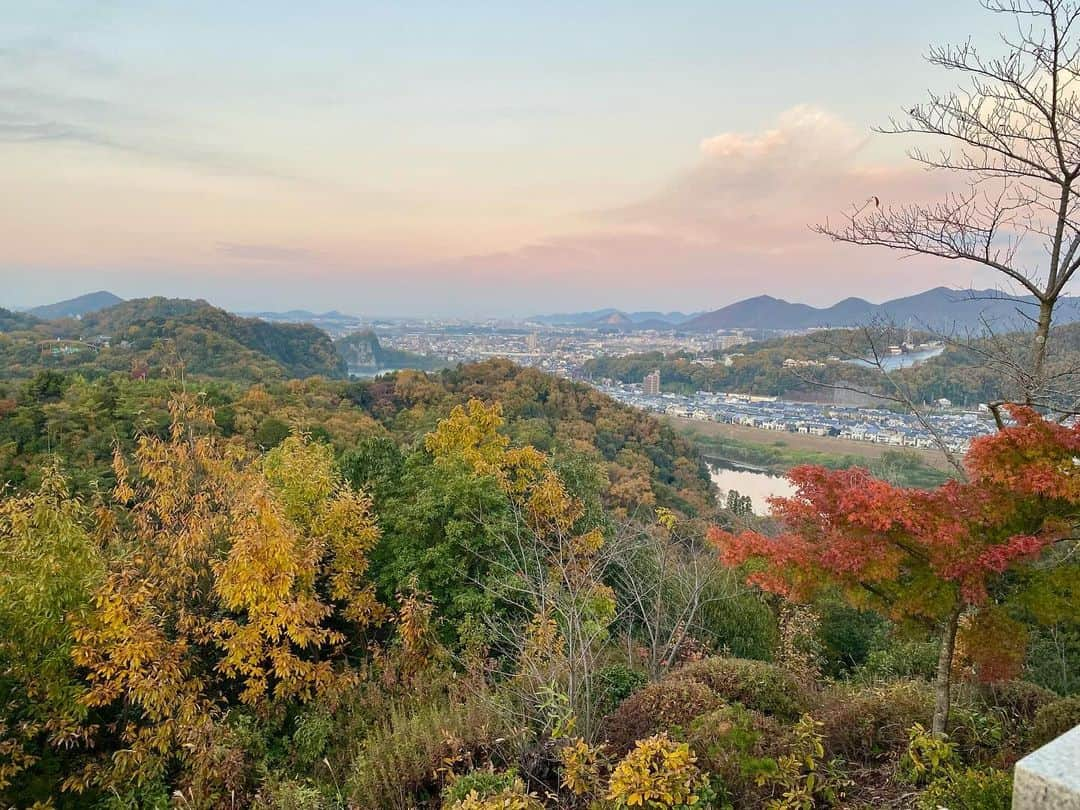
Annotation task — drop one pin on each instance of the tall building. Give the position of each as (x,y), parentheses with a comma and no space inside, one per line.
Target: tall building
(651,382)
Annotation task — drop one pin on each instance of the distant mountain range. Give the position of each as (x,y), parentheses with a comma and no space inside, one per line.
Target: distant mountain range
(614,318)
(939,309)
(76,307)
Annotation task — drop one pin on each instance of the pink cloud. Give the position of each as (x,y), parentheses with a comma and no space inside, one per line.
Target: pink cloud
(736,223)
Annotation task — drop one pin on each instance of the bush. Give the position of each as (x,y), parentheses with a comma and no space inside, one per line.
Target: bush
(1017,701)
(617,683)
(285,794)
(1053,720)
(659,706)
(969,789)
(865,724)
(513,797)
(481,783)
(739,745)
(979,734)
(900,659)
(399,758)
(847,636)
(755,684)
(659,774)
(271,432)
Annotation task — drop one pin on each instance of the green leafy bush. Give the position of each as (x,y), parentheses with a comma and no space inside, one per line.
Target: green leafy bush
(979,733)
(288,794)
(755,684)
(899,659)
(617,683)
(969,789)
(1053,720)
(658,707)
(847,636)
(740,746)
(483,783)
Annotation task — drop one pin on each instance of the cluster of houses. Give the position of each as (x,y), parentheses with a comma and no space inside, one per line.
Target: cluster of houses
(877,425)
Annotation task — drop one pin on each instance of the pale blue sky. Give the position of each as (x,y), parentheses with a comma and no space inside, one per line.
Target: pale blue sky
(442,157)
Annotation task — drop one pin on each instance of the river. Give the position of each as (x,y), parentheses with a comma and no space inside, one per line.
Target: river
(892,362)
(760,486)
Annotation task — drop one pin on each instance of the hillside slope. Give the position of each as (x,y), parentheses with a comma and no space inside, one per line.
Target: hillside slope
(148,336)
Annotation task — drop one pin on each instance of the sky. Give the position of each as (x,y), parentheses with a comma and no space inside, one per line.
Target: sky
(460,159)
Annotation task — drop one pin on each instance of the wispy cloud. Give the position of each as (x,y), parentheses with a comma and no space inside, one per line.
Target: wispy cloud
(38,105)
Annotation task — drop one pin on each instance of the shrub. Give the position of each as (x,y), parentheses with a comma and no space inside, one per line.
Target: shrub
(1053,720)
(927,757)
(866,723)
(512,797)
(658,707)
(802,774)
(285,794)
(755,684)
(580,767)
(617,683)
(847,636)
(483,784)
(1017,701)
(977,732)
(970,789)
(659,774)
(900,659)
(309,739)
(399,759)
(740,746)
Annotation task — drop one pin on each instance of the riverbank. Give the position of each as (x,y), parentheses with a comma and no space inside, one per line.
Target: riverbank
(776,452)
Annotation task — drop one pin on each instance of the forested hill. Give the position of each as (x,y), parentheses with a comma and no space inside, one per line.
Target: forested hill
(959,373)
(148,336)
(633,460)
(11,321)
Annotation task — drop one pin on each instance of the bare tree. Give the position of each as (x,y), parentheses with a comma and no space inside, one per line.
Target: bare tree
(663,584)
(1011,134)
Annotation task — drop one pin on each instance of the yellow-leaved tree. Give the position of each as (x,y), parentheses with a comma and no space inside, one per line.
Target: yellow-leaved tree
(232,581)
(552,566)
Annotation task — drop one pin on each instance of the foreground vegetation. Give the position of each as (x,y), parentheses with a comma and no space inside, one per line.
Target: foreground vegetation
(484,588)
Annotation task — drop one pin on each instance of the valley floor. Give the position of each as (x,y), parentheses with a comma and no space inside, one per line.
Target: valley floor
(801,441)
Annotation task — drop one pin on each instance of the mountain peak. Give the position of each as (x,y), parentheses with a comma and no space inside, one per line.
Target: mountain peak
(77,307)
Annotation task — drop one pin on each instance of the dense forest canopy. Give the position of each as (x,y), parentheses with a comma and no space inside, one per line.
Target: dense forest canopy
(144,334)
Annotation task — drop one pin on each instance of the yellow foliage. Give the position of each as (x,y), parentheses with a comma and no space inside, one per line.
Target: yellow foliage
(471,432)
(233,574)
(514,798)
(658,773)
(580,767)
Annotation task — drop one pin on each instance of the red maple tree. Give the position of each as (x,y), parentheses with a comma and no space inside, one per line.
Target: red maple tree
(931,555)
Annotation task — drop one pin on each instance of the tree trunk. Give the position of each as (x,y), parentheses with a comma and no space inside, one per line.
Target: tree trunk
(1042,336)
(943,682)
